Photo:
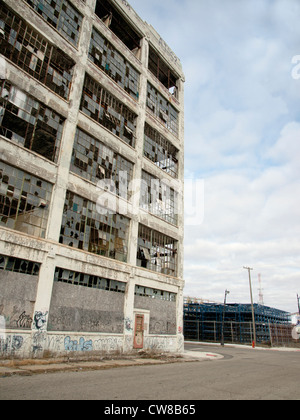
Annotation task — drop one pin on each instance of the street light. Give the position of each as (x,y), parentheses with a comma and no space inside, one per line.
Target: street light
(253,316)
(223,320)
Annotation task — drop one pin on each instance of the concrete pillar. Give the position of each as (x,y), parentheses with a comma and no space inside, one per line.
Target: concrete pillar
(46,277)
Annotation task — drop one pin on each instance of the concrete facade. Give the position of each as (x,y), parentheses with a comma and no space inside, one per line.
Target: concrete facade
(91,259)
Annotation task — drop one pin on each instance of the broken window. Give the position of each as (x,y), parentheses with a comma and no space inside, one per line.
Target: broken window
(160,151)
(115,21)
(108,59)
(154,293)
(162,72)
(24,201)
(156,251)
(158,198)
(107,110)
(17,265)
(94,161)
(29,122)
(61,15)
(86,280)
(84,227)
(162,109)
(34,54)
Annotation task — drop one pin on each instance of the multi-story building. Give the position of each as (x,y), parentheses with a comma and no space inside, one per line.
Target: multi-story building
(91,175)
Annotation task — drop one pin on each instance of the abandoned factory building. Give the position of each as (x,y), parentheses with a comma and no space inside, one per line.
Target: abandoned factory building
(91,175)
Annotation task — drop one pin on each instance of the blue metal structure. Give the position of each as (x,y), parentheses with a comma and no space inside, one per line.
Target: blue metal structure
(203,322)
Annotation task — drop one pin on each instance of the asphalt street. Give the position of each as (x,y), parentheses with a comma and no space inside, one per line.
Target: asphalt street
(242,374)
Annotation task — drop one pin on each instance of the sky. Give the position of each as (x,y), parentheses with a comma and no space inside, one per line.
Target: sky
(242,139)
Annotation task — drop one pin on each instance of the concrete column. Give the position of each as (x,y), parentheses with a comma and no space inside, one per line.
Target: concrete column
(129,314)
(46,277)
(137,174)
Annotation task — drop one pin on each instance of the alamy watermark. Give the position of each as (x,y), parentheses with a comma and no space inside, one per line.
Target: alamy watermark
(165,198)
(296,68)
(296,330)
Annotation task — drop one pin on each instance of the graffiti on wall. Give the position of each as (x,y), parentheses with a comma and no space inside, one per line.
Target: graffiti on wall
(24,321)
(81,345)
(40,320)
(10,344)
(128,324)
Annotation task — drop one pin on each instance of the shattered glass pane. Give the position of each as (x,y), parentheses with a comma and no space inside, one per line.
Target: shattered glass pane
(94,161)
(158,198)
(108,111)
(155,294)
(19,266)
(83,227)
(24,201)
(79,279)
(61,15)
(25,47)
(29,122)
(163,110)
(156,251)
(162,71)
(108,59)
(160,151)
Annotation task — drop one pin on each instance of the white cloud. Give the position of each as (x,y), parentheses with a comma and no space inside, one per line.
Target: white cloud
(242,137)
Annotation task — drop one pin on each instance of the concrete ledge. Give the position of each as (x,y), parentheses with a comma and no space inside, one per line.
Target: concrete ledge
(34,367)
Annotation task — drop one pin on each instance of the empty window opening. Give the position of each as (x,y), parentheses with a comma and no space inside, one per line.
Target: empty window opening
(34,54)
(29,122)
(87,280)
(17,265)
(108,59)
(161,151)
(108,111)
(94,161)
(156,251)
(115,21)
(158,198)
(162,72)
(61,15)
(84,227)
(24,201)
(155,293)
(162,109)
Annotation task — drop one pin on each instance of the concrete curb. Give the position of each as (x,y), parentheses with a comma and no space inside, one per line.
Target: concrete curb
(243,346)
(34,367)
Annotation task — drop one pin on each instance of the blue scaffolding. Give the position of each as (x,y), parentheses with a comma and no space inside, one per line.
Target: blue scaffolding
(204,322)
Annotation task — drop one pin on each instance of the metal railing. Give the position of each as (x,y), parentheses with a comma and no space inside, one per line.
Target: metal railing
(239,332)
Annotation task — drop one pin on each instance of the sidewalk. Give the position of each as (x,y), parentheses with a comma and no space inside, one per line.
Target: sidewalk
(243,346)
(42,366)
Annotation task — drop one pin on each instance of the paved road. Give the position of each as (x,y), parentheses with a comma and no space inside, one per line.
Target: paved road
(241,374)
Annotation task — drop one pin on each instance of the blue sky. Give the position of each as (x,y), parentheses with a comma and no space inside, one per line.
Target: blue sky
(242,135)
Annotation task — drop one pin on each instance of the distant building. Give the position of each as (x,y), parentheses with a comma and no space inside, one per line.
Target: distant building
(91,164)
(203,321)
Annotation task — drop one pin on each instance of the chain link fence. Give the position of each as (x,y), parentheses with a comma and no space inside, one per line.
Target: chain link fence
(273,335)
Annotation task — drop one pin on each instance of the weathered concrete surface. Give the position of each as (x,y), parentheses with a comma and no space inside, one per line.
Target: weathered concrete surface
(32,367)
(243,374)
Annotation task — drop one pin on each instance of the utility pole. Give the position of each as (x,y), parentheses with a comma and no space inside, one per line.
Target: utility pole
(298,299)
(223,320)
(252,306)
